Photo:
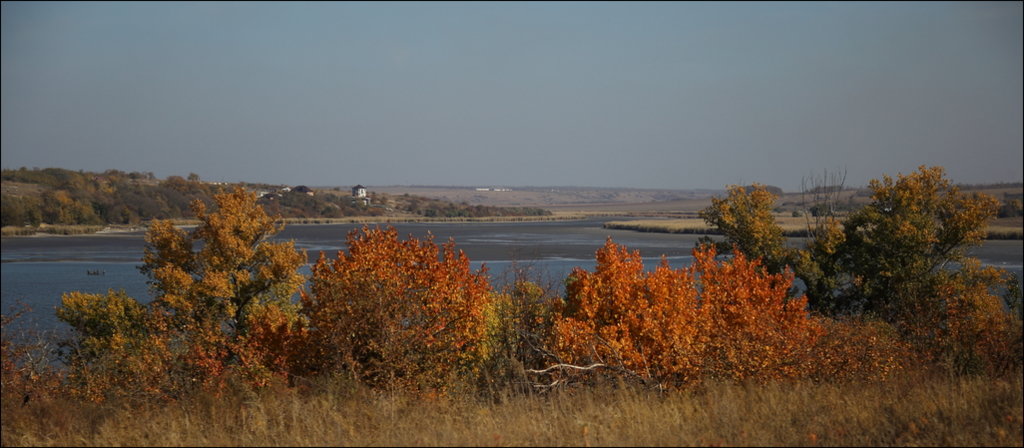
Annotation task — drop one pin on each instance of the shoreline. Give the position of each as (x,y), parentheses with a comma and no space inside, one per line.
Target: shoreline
(641,223)
(47,231)
(698,227)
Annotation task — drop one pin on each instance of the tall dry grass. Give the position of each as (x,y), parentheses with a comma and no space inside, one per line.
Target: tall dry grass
(791,226)
(71,229)
(913,410)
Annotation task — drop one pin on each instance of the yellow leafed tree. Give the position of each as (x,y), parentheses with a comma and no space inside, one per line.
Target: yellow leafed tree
(222,301)
(212,278)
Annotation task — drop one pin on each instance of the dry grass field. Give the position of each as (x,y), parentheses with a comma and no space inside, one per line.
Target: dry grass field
(789,224)
(1001,228)
(555,198)
(625,201)
(671,211)
(911,411)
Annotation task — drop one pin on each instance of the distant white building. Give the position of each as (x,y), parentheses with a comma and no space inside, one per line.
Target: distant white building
(359,194)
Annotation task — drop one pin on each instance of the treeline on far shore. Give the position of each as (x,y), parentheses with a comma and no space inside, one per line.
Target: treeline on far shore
(61,201)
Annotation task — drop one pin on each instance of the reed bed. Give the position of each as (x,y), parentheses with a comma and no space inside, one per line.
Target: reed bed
(50,230)
(791,227)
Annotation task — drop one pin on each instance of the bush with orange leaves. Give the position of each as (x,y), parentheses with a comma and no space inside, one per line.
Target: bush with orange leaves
(858,349)
(396,313)
(673,327)
(961,325)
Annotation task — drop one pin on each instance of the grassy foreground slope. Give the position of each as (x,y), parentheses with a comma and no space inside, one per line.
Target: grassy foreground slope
(909,411)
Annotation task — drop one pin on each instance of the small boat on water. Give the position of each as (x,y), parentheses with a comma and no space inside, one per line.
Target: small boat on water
(94,272)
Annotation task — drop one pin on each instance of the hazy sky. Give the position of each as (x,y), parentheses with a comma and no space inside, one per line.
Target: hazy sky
(648,95)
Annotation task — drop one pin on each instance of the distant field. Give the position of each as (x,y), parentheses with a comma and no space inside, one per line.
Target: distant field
(554,198)
(628,202)
(1002,228)
(789,224)
(676,210)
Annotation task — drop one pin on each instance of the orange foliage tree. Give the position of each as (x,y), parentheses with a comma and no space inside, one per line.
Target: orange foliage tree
(674,327)
(396,313)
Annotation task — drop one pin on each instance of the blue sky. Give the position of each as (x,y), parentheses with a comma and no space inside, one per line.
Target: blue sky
(630,94)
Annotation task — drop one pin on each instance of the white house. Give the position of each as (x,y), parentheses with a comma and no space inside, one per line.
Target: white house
(359,191)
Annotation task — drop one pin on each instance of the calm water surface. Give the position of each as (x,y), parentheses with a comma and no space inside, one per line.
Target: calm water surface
(38,270)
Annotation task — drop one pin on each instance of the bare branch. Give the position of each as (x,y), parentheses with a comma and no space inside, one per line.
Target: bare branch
(564,367)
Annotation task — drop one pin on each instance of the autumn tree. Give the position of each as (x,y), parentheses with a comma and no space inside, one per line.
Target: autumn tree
(234,267)
(519,320)
(396,313)
(222,301)
(27,370)
(745,218)
(210,290)
(672,327)
(901,258)
(903,243)
(906,256)
(122,348)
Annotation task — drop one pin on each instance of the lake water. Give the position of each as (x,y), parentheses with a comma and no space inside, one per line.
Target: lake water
(38,270)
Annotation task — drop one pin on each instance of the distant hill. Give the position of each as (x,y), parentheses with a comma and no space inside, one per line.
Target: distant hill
(56,196)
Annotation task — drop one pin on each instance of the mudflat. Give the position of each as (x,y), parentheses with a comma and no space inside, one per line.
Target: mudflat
(521,241)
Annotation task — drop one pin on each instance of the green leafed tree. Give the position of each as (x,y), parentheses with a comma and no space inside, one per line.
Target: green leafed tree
(745,218)
(915,227)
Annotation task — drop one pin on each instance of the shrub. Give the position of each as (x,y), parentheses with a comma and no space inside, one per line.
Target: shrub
(728,319)
(397,313)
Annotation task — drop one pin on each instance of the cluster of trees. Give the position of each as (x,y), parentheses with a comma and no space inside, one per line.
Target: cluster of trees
(59,196)
(887,288)
(297,204)
(62,196)
(294,205)
(1011,207)
(434,208)
(901,259)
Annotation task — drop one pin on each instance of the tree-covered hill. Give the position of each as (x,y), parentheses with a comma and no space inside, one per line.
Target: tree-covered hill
(56,196)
